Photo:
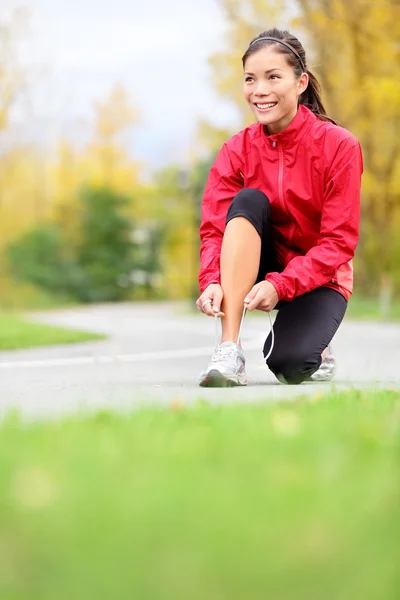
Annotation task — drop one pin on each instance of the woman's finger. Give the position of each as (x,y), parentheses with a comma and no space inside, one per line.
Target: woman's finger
(217,301)
(255,302)
(251,295)
(210,301)
(208,308)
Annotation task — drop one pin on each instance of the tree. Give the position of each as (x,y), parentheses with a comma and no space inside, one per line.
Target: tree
(209,139)
(43,257)
(105,253)
(21,192)
(12,73)
(41,197)
(106,160)
(176,218)
(19,167)
(96,266)
(367,37)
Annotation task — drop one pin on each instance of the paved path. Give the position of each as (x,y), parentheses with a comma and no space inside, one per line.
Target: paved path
(155,353)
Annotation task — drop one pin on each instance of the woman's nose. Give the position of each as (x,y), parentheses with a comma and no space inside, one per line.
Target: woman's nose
(262,89)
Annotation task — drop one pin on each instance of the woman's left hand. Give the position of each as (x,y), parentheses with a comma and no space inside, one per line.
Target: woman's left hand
(262,296)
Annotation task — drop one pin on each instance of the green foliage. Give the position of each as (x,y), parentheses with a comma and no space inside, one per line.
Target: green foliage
(198,181)
(105,254)
(41,256)
(178,218)
(97,266)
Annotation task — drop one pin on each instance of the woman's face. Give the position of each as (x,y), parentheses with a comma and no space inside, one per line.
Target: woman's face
(272,89)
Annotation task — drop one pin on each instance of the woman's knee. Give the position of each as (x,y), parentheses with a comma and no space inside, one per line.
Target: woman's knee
(250,203)
(293,366)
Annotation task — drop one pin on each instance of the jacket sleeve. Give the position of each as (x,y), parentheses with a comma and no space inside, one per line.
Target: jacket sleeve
(339,229)
(225,180)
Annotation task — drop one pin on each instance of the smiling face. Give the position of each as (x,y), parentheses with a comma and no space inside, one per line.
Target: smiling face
(272,89)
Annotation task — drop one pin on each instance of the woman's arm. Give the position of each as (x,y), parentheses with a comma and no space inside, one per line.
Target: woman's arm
(224,182)
(339,230)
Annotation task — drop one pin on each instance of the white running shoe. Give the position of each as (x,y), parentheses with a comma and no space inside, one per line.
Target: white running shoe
(226,368)
(327,370)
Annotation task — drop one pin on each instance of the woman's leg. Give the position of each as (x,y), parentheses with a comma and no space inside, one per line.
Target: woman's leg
(246,251)
(239,263)
(303,329)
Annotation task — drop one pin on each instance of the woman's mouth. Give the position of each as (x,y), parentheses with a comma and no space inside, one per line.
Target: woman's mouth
(265,106)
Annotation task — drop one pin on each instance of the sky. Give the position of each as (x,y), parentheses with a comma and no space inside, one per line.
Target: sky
(158,49)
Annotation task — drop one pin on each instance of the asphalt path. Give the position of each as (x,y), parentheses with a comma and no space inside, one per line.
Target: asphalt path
(155,352)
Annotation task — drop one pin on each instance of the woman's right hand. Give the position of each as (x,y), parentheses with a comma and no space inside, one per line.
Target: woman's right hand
(210,300)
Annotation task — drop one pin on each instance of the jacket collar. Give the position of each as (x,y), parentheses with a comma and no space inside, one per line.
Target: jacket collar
(297,129)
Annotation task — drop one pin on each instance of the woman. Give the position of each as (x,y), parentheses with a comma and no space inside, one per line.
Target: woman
(280,220)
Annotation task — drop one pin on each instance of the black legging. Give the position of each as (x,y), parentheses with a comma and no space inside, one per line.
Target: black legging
(303,327)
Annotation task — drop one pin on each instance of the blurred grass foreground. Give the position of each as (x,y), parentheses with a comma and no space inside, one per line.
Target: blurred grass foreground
(291,501)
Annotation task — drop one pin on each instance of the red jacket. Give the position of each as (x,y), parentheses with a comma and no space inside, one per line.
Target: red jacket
(311,173)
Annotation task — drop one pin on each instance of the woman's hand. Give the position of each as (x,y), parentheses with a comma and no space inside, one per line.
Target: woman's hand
(210,300)
(262,296)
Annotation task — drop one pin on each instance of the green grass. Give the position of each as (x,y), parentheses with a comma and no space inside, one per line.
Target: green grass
(17,333)
(291,501)
(361,307)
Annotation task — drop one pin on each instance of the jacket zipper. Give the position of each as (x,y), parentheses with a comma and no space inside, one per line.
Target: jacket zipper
(280,190)
(280,176)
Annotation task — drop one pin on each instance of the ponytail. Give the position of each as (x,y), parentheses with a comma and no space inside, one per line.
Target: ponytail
(311,98)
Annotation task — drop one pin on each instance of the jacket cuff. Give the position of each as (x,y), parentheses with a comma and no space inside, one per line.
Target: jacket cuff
(276,280)
(205,283)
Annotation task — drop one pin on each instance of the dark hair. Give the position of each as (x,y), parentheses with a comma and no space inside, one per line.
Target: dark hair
(296,58)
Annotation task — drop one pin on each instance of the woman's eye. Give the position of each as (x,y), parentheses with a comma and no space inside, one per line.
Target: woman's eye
(274,77)
(248,79)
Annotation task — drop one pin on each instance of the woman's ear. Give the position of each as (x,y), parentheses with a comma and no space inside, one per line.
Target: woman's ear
(303,83)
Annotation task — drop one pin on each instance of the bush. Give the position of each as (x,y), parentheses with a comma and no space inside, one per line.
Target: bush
(106,253)
(41,257)
(90,270)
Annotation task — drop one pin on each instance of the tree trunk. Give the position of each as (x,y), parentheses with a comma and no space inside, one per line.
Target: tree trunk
(385,296)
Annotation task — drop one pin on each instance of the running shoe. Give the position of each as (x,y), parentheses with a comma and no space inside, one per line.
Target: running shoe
(226,368)
(327,370)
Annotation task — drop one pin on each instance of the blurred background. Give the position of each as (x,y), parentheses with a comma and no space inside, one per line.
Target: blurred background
(111,114)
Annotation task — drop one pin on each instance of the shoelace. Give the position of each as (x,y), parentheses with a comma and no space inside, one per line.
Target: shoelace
(222,352)
(240,331)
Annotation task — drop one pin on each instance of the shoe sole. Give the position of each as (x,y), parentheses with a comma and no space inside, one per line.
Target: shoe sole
(215,379)
(323,380)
